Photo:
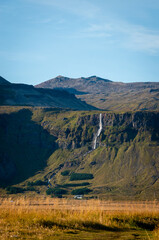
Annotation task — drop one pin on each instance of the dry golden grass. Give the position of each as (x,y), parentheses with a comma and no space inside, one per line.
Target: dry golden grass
(51,218)
(72,204)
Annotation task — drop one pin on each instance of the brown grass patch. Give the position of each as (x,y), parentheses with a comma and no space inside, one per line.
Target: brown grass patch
(30,218)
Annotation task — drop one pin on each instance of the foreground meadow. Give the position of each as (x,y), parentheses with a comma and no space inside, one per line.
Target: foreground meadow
(51,218)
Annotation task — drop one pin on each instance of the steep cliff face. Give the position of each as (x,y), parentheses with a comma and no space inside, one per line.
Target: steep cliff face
(124,163)
(115,127)
(137,120)
(24,147)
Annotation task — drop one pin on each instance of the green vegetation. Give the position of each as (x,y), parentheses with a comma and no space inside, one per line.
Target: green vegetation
(67,185)
(37,183)
(37,144)
(52,142)
(65,173)
(55,191)
(81,191)
(30,188)
(14,190)
(80,176)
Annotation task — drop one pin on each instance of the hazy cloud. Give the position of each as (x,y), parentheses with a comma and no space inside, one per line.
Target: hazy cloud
(143,39)
(78,7)
(99,25)
(134,37)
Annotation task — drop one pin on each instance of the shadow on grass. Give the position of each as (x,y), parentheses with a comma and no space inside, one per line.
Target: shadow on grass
(92,226)
(98,226)
(84,226)
(145,225)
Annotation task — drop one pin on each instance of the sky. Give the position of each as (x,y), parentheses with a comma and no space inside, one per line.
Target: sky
(112,39)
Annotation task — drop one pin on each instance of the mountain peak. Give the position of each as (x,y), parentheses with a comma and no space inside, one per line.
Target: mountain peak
(60,76)
(84,84)
(96,78)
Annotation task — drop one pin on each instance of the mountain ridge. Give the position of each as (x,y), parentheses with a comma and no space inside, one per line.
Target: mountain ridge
(27,95)
(108,95)
(4,81)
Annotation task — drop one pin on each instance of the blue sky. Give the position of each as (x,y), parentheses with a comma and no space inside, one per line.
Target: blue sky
(117,39)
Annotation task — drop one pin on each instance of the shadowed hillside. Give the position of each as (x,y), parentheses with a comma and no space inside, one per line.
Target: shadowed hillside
(24,147)
(3,81)
(27,95)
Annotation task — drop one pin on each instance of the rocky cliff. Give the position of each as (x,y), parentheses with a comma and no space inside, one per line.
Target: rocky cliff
(122,127)
(42,143)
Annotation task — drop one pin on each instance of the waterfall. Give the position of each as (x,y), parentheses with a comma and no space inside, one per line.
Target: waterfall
(99,132)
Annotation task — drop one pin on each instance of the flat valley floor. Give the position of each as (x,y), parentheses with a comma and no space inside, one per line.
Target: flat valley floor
(57,219)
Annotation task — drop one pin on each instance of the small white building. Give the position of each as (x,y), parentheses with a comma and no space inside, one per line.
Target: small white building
(78,196)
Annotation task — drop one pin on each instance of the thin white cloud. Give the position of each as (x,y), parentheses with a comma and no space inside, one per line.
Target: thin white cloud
(143,40)
(85,34)
(100,28)
(126,35)
(134,37)
(83,8)
(93,31)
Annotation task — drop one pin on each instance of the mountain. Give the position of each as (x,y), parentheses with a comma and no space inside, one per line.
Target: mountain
(46,143)
(27,95)
(51,140)
(109,95)
(91,84)
(4,81)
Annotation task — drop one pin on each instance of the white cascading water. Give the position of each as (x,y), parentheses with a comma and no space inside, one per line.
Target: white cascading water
(94,146)
(98,133)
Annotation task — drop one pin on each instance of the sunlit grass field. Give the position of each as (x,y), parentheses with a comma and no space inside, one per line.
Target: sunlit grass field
(51,218)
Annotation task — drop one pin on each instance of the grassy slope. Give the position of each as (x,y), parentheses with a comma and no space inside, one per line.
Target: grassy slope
(121,169)
(124,101)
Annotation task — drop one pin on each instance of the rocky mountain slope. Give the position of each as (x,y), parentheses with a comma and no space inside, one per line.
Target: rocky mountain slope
(52,144)
(111,154)
(108,95)
(27,95)
(3,81)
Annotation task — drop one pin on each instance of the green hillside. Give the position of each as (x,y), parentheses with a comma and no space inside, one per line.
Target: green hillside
(49,143)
